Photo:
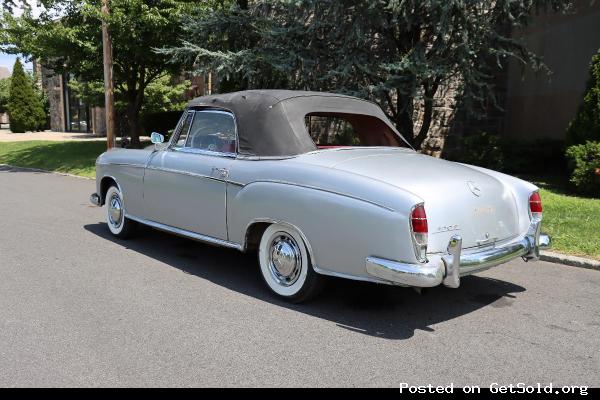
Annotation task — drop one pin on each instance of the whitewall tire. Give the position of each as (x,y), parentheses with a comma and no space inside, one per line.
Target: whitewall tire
(285,264)
(118,224)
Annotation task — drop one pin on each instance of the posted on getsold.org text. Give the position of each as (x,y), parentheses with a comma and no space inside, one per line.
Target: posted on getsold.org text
(496,388)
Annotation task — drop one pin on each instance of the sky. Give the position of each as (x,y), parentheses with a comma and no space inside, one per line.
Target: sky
(8,60)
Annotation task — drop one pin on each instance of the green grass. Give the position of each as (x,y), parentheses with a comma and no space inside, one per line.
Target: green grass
(573,222)
(76,158)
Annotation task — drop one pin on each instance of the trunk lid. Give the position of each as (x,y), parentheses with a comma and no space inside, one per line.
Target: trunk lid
(458,200)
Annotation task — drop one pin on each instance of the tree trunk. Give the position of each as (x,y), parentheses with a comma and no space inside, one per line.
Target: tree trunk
(134,106)
(404,119)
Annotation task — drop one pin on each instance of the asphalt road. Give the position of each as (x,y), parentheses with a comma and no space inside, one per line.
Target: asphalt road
(79,308)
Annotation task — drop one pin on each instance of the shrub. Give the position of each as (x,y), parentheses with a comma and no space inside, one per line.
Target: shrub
(481,149)
(584,163)
(25,110)
(586,124)
(538,156)
(510,155)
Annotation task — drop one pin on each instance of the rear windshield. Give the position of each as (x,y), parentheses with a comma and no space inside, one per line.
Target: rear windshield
(336,129)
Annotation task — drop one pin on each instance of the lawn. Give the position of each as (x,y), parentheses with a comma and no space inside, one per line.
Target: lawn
(573,222)
(72,157)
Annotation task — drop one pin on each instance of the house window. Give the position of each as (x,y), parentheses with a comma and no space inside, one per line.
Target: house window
(77,113)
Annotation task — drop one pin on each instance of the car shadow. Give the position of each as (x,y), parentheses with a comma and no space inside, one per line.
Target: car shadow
(384,311)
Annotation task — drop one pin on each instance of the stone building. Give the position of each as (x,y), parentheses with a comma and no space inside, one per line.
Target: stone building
(540,106)
(534,105)
(68,113)
(4,73)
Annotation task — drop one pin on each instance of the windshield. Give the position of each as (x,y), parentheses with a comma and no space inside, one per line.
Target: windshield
(341,130)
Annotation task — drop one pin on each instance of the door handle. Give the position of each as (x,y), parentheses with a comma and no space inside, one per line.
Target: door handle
(220,172)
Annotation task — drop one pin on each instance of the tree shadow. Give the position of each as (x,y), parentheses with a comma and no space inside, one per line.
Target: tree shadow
(384,311)
(55,156)
(11,168)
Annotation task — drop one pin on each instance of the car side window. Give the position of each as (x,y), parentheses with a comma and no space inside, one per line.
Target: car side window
(212,130)
(338,129)
(182,133)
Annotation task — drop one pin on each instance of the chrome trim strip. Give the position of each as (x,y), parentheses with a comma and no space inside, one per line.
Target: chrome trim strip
(192,174)
(237,183)
(191,150)
(177,133)
(119,164)
(248,157)
(185,233)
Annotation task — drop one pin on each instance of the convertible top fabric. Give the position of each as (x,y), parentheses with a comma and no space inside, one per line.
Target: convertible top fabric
(270,123)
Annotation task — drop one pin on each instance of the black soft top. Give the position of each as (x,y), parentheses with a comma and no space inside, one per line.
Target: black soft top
(270,123)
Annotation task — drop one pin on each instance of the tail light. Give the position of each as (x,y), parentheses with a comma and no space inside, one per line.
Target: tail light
(419,229)
(535,206)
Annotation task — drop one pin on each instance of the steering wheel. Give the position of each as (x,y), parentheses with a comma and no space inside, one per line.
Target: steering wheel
(209,142)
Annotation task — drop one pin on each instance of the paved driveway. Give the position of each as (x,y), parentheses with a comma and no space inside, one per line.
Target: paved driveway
(7,136)
(80,308)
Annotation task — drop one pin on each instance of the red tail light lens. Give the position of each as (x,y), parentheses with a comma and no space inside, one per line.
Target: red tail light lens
(418,226)
(418,220)
(535,205)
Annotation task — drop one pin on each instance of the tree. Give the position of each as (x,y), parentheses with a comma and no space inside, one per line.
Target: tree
(72,43)
(4,93)
(397,53)
(25,110)
(164,95)
(586,124)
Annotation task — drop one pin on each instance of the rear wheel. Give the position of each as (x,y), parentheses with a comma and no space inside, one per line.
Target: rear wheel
(119,225)
(285,264)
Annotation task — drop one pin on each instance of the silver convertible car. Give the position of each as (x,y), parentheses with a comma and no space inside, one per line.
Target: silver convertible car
(319,184)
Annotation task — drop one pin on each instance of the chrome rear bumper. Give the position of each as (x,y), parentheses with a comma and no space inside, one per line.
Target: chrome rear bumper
(449,267)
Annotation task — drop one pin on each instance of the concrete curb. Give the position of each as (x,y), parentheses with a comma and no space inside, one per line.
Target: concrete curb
(13,167)
(573,261)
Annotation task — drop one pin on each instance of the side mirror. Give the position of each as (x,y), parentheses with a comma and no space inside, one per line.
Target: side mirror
(156,138)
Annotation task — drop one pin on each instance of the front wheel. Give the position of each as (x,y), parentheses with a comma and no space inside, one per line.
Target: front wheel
(285,264)
(119,225)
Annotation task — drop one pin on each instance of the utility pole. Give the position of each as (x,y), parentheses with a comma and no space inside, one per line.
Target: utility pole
(109,96)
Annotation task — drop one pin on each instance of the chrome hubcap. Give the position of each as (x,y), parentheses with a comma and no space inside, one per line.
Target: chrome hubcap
(285,259)
(115,211)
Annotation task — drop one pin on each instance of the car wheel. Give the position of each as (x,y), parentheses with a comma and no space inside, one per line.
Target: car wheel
(285,264)
(118,224)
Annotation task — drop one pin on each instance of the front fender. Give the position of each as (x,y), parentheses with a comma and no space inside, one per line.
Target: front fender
(126,168)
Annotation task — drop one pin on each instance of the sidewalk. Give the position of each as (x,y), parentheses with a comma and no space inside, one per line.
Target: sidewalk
(7,136)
